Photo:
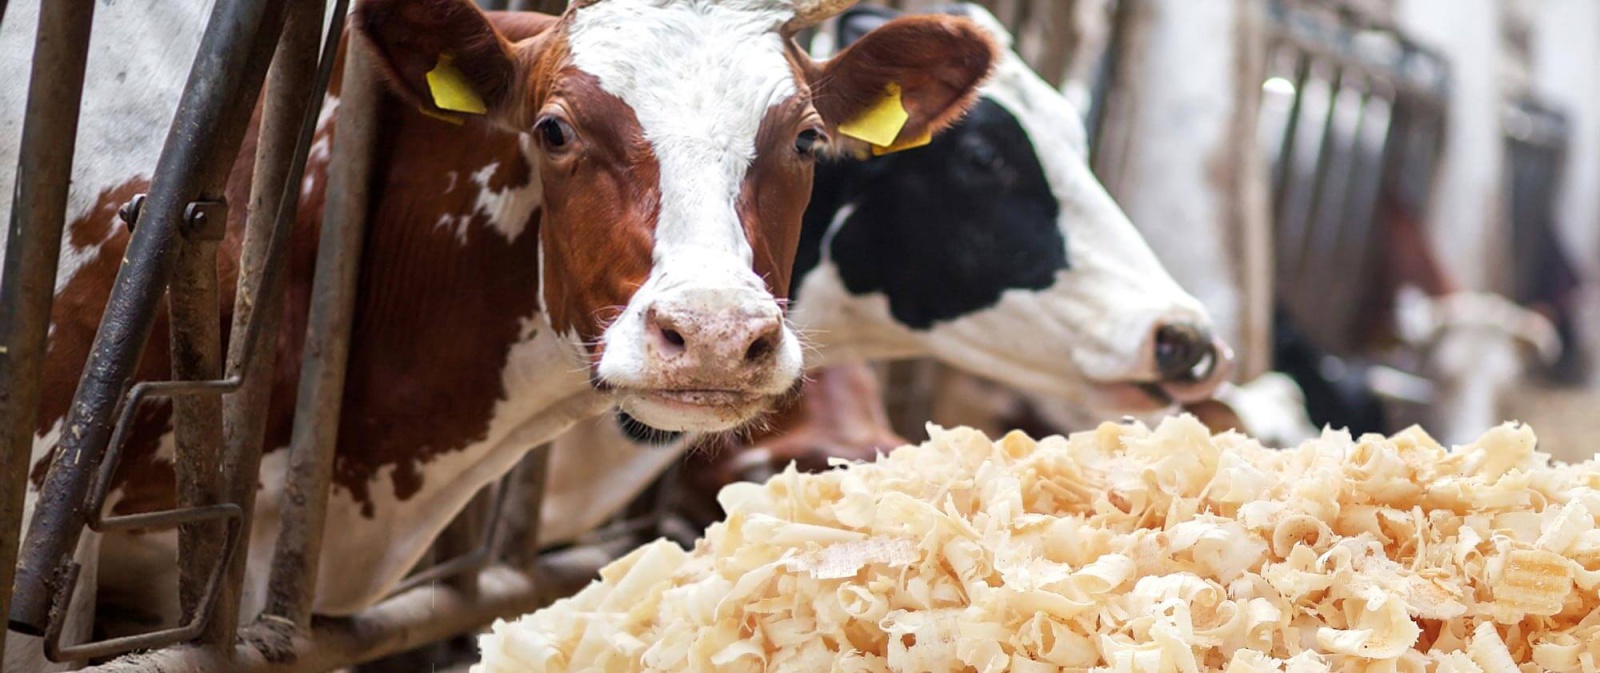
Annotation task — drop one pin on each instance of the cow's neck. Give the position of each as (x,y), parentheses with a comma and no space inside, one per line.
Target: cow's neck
(454,371)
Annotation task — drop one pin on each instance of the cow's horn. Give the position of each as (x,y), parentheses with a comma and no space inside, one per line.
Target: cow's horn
(809,13)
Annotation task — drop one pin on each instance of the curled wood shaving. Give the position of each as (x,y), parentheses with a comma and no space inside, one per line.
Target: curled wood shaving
(1126,549)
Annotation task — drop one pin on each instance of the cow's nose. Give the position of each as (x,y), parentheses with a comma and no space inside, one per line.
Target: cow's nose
(737,337)
(1184,352)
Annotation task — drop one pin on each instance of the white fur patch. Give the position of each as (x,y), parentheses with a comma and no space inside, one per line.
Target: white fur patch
(700,77)
(508,209)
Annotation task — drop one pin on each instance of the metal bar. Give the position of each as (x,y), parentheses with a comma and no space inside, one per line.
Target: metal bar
(38,215)
(293,584)
(199,150)
(522,521)
(295,90)
(404,623)
(226,514)
(459,540)
(196,343)
(209,596)
(457,567)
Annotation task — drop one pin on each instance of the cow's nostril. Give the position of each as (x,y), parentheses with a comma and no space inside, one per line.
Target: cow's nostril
(1184,352)
(672,336)
(766,333)
(760,349)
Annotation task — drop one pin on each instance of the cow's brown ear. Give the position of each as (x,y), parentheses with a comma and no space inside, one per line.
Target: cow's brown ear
(444,56)
(903,82)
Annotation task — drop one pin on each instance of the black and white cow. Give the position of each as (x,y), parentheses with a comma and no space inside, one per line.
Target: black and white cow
(993,249)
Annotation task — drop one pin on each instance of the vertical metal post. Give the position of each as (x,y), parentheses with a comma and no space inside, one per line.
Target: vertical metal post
(463,537)
(196,342)
(293,582)
(293,97)
(199,151)
(38,215)
(532,473)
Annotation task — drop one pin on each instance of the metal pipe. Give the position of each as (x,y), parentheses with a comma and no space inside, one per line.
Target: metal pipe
(424,615)
(472,548)
(532,475)
(292,588)
(199,151)
(38,215)
(295,89)
(196,343)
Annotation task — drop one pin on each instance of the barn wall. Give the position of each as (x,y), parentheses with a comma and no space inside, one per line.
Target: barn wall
(1468,214)
(1565,46)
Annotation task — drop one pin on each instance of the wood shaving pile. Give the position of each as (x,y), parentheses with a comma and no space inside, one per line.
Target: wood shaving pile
(1125,549)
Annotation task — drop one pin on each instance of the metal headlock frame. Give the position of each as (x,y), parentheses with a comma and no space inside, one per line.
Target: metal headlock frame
(217,418)
(1329,216)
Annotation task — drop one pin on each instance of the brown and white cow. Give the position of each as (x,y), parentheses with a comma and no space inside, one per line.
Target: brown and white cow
(994,249)
(617,230)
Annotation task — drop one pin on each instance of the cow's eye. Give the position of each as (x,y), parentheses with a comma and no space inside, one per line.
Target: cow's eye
(806,142)
(553,133)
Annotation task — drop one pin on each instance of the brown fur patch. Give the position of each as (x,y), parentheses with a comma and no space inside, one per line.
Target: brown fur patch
(772,202)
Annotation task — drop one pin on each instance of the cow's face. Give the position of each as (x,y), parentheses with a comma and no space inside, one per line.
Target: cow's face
(675,142)
(996,249)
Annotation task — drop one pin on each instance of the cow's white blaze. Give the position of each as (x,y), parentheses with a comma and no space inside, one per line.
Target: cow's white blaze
(1093,325)
(700,77)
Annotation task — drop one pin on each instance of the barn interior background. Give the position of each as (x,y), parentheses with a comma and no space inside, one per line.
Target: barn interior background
(1281,156)
(1298,165)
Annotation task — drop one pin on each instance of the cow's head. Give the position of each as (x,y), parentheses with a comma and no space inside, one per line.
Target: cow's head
(674,141)
(996,249)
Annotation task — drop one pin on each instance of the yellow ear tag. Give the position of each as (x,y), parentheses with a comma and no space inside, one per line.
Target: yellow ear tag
(881,123)
(450,88)
(444,117)
(919,141)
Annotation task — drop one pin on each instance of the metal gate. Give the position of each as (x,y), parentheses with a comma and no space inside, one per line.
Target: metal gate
(1543,275)
(486,563)
(1353,121)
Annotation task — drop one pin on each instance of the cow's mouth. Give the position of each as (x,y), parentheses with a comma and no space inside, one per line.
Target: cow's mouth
(1129,398)
(658,416)
(1144,397)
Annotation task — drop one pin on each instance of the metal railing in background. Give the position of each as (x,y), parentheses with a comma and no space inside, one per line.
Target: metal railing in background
(1352,121)
(1542,272)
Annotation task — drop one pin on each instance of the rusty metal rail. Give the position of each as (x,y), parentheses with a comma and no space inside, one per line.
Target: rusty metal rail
(293,581)
(193,168)
(38,215)
(211,598)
